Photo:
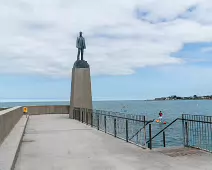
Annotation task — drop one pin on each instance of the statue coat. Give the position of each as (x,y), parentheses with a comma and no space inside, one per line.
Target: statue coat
(80,44)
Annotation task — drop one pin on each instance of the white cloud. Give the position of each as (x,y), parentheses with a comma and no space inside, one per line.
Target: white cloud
(206,49)
(38,37)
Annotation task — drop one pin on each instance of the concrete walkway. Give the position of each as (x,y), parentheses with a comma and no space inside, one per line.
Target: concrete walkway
(54,142)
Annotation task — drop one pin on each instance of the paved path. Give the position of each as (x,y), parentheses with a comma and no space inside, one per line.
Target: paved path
(54,142)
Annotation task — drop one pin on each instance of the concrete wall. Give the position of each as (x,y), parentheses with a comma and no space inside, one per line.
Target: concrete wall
(2,109)
(38,110)
(8,119)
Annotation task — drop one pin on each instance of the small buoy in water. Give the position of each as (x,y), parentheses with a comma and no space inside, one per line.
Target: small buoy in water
(157,121)
(164,122)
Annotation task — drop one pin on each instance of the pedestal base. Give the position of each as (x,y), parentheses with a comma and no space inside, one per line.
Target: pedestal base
(81,95)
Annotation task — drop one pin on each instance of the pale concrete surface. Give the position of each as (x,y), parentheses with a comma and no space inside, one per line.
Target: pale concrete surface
(54,142)
(10,146)
(81,93)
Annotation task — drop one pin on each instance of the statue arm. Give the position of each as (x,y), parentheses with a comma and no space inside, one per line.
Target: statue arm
(77,42)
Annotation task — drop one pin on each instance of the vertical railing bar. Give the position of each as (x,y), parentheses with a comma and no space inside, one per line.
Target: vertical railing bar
(205,134)
(186,133)
(196,131)
(211,134)
(98,121)
(92,121)
(192,131)
(202,128)
(208,134)
(126,130)
(115,127)
(190,137)
(183,128)
(150,136)
(105,123)
(87,116)
(199,134)
(144,119)
(164,139)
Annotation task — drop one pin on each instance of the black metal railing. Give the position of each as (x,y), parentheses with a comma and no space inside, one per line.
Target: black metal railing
(131,128)
(196,132)
(189,131)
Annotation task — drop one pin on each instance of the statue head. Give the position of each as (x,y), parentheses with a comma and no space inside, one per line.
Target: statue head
(80,33)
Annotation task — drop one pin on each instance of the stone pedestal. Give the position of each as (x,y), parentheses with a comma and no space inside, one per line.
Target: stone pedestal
(81,94)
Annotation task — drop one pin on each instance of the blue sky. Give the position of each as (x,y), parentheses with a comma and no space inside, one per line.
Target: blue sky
(136,49)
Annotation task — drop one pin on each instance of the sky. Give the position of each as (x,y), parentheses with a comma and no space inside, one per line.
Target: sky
(137,49)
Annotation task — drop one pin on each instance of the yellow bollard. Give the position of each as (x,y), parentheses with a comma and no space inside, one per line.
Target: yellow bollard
(25,110)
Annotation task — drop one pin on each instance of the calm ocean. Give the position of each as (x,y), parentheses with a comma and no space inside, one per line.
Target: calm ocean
(170,109)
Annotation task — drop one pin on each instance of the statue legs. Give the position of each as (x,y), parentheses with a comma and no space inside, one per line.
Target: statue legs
(82,51)
(78,54)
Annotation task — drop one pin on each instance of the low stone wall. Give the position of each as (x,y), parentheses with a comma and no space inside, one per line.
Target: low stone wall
(8,119)
(38,110)
(3,109)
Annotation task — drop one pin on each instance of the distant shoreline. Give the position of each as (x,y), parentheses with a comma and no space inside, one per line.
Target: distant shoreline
(177,99)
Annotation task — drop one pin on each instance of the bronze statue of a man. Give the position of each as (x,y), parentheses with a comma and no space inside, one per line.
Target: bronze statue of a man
(80,44)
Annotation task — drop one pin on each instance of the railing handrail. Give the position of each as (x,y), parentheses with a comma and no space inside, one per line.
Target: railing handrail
(197,115)
(141,129)
(122,117)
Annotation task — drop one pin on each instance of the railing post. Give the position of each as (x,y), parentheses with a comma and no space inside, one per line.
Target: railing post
(98,121)
(164,139)
(183,129)
(91,115)
(115,127)
(127,130)
(150,136)
(75,117)
(79,114)
(87,116)
(82,115)
(144,119)
(186,133)
(105,124)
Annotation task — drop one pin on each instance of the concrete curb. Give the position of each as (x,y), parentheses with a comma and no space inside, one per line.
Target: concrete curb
(9,149)
(19,145)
